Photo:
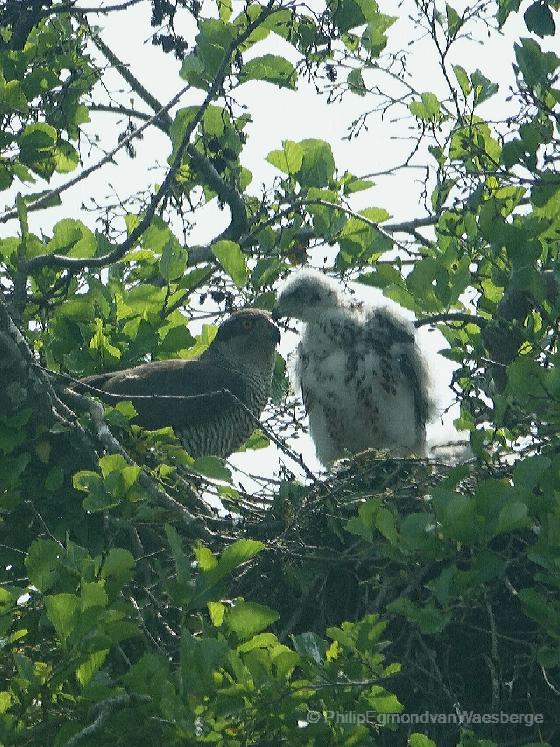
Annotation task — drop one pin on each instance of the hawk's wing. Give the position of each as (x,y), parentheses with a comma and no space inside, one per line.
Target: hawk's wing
(407,366)
(166,389)
(396,338)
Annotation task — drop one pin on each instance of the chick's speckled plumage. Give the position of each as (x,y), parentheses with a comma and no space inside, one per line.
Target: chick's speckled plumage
(363,379)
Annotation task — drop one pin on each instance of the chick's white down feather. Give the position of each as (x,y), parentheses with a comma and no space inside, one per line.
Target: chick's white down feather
(362,377)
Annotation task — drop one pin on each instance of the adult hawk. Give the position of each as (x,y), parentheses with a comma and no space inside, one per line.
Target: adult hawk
(238,362)
(363,379)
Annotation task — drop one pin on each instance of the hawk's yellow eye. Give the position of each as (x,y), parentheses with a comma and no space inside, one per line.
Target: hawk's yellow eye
(247,324)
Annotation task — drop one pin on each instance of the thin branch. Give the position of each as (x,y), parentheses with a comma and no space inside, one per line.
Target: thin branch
(46,198)
(480,321)
(383,230)
(225,192)
(79,263)
(124,71)
(106,709)
(129,112)
(74,10)
(207,398)
(410,226)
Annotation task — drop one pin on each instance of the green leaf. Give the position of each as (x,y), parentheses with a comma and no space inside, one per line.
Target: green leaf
(362,525)
(93,594)
(118,569)
(212,44)
(374,38)
(270,68)
(214,121)
(36,148)
(462,79)
(355,184)
(421,740)
(289,159)
(182,565)
(86,480)
(539,19)
(43,563)
(505,7)
(233,260)
(112,463)
(482,87)
(194,72)
(5,700)
(213,467)
(417,531)
(100,342)
(73,239)
(427,109)
(356,83)
(540,609)
(232,557)
(12,98)
(238,553)
(173,261)
(93,664)
(347,14)
(385,523)
(6,177)
(311,645)
(246,619)
(62,611)
(200,658)
(100,500)
(217,612)
(375,214)
(22,216)
(54,479)
(429,618)
(66,157)
(512,516)
(528,472)
(474,142)
(535,65)
(454,22)
(225,9)
(317,168)
(205,558)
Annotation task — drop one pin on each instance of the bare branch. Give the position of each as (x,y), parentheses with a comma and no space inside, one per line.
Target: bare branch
(76,11)
(480,321)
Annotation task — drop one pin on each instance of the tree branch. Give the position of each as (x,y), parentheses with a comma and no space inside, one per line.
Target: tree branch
(106,708)
(45,199)
(73,10)
(79,263)
(225,192)
(480,321)
(194,524)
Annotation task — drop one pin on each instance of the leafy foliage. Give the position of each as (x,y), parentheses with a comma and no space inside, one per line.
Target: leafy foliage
(131,611)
